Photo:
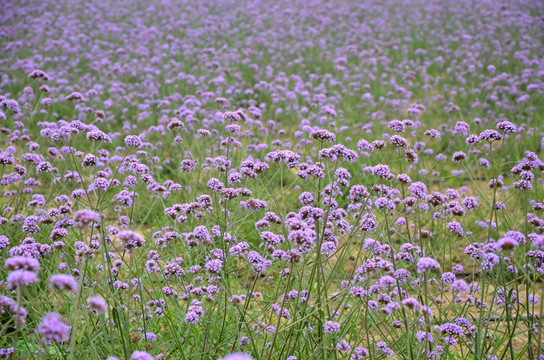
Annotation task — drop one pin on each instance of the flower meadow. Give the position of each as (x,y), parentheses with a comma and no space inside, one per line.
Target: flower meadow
(267,180)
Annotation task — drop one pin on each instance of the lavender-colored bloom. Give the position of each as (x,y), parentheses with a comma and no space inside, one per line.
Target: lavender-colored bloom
(418,189)
(450,329)
(424,336)
(149,336)
(426,263)
(22,262)
(133,141)
(130,240)
(459,286)
(410,303)
(4,241)
(21,278)
(63,282)
(455,227)
(343,346)
(214,266)
(323,135)
(141,355)
(507,243)
(462,128)
(96,304)
(306,198)
(9,306)
(448,277)
(98,136)
(75,96)
(382,346)
(237,356)
(86,217)
(331,327)
(6,353)
(194,313)
(53,328)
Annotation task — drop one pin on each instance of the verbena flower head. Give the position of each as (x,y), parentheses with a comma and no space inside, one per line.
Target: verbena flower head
(133,141)
(63,282)
(22,262)
(21,278)
(96,304)
(141,355)
(52,328)
(237,356)
(425,264)
(130,239)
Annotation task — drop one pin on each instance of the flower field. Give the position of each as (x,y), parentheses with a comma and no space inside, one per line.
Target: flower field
(258,179)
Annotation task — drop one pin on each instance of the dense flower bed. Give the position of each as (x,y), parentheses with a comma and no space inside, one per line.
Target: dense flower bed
(271,179)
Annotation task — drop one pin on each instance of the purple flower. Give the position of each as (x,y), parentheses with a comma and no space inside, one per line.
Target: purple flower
(6,353)
(86,217)
(331,327)
(306,198)
(194,313)
(21,278)
(96,304)
(4,241)
(38,75)
(424,336)
(75,96)
(133,141)
(455,227)
(448,277)
(323,135)
(382,346)
(426,263)
(130,240)
(418,189)
(344,346)
(52,328)
(98,136)
(214,266)
(9,306)
(237,356)
(450,329)
(459,286)
(411,303)
(507,243)
(22,262)
(149,336)
(141,355)
(63,282)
